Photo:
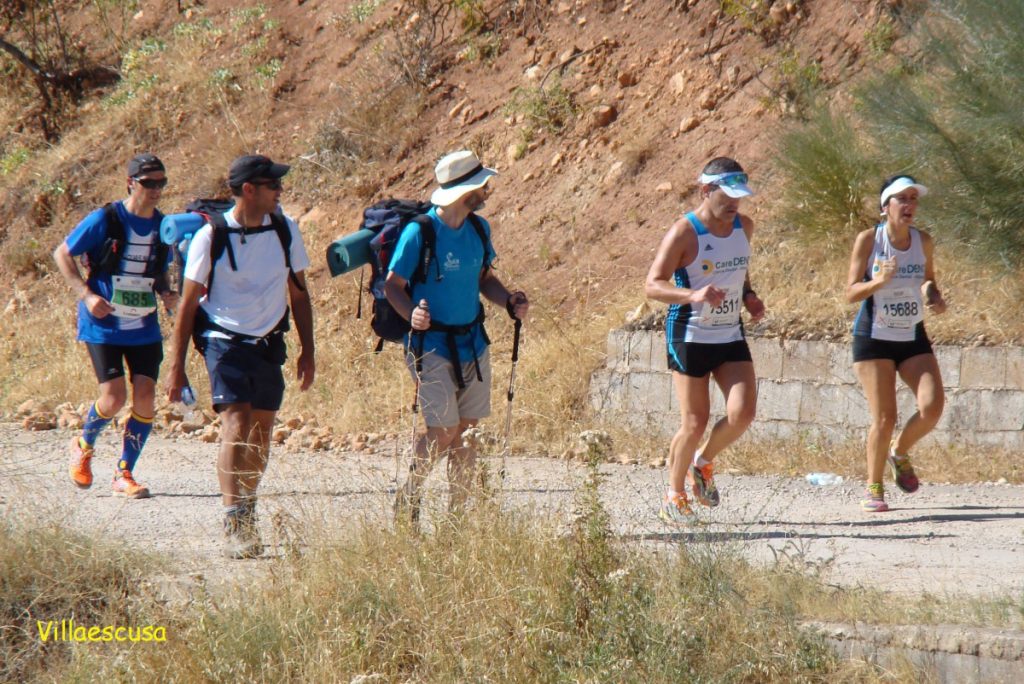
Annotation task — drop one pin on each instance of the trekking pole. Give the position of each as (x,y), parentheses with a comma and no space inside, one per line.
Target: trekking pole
(511,394)
(416,346)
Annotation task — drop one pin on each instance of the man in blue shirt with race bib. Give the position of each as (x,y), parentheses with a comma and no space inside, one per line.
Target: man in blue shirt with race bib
(117,315)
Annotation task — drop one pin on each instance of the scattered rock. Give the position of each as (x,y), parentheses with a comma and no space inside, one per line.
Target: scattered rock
(778,13)
(627,78)
(457,109)
(280,435)
(708,100)
(664,187)
(556,160)
(40,420)
(677,83)
(293,423)
(603,115)
(688,124)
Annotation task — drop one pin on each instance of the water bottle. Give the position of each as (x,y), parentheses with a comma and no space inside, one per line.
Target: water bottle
(824,479)
(188,399)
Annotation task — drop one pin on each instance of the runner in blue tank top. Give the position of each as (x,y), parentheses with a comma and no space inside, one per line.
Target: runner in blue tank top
(700,270)
(892,273)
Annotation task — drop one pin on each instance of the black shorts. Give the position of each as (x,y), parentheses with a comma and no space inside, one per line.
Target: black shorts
(246,373)
(108,360)
(869,349)
(697,359)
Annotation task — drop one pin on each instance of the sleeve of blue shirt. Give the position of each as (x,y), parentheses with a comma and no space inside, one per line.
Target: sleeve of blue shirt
(88,234)
(407,252)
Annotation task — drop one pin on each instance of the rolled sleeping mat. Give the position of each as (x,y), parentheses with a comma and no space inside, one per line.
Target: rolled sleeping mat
(177,227)
(349,252)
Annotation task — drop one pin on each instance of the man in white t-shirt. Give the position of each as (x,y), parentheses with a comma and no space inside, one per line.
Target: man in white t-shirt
(242,270)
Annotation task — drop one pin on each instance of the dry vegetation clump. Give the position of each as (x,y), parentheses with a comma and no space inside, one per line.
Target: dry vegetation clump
(49,573)
(496,596)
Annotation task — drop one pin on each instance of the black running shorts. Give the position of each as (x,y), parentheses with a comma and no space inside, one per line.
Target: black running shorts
(108,360)
(869,349)
(697,359)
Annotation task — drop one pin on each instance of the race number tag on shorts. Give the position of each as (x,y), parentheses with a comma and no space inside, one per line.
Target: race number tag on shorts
(726,314)
(133,296)
(897,308)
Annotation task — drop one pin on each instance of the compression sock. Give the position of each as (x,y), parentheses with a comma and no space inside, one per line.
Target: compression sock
(94,424)
(136,431)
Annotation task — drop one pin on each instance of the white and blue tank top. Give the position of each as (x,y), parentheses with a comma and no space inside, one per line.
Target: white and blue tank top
(895,313)
(722,262)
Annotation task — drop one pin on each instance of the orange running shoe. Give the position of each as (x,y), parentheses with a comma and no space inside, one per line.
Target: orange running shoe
(125,485)
(702,483)
(80,468)
(675,510)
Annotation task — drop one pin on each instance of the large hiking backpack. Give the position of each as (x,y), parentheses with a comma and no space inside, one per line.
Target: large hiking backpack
(112,249)
(212,210)
(387,219)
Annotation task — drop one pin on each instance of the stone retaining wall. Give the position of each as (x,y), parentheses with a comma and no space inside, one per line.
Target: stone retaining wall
(808,389)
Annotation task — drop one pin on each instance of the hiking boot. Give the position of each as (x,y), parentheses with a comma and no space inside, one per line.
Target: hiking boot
(80,468)
(125,485)
(241,538)
(874,499)
(903,473)
(675,510)
(702,483)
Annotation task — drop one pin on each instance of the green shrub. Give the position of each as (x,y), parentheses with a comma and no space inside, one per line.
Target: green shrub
(952,118)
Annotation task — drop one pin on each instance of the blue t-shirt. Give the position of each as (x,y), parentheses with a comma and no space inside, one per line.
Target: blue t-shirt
(454,299)
(141,236)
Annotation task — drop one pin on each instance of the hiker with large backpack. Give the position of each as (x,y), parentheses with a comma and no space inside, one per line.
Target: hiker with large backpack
(117,316)
(237,321)
(437,291)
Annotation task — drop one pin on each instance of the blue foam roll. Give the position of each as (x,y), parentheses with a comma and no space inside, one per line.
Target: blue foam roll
(177,227)
(350,252)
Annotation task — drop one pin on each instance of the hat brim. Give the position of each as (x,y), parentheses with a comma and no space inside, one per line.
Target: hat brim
(442,197)
(737,191)
(277,170)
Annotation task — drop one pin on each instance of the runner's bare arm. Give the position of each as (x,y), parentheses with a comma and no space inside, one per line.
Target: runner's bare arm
(184,322)
(754,305)
(302,312)
(394,290)
(678,248)
(933,298)
(97,305)
(856,289)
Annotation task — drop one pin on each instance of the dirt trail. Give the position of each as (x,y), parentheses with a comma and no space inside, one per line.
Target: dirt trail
(946,540)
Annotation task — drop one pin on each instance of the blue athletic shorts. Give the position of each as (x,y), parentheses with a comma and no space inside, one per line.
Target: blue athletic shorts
(697,359)
(246,373)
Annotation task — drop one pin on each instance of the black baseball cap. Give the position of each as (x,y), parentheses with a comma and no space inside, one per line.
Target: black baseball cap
(251,166)
(144,163)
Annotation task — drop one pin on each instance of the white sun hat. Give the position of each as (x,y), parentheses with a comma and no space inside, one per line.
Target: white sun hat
(897,186)
(458,173)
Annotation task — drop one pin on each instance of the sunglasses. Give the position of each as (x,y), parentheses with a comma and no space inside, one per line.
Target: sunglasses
(733,180)
(273,184)
(152,183)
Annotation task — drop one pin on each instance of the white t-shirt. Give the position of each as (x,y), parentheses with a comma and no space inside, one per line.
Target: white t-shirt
(253,299)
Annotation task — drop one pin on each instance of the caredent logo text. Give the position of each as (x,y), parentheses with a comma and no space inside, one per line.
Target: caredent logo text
(709,267)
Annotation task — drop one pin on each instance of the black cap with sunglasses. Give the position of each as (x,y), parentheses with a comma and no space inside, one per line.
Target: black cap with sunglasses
(144,163)
(254,166)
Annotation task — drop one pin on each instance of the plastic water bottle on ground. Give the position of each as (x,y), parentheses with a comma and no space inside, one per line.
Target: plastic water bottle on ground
(824,479)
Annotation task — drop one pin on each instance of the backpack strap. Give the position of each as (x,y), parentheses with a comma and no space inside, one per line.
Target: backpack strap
(478,225)
(221,242)
(427,252)
(284,234)
(113,245)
